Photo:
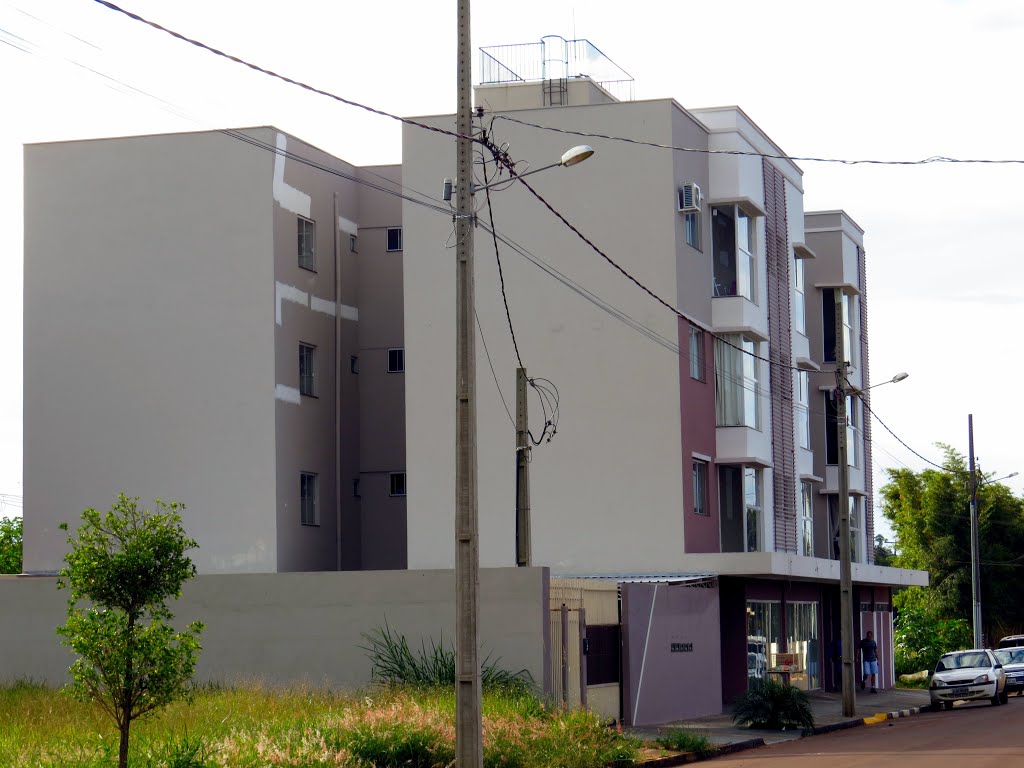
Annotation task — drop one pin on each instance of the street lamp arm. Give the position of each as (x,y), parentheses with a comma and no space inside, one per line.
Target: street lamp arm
(571,157)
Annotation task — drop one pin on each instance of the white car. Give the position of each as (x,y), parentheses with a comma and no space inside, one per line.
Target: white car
(1012,660)
(968,676)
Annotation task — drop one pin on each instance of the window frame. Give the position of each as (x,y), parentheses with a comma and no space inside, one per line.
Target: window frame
(692,228)
(698,369)
(400,236)
(803,409)
(309,504)
(743,255)
(400,356)
(700,488)
(744,392)
(806,522)
(753,505)
(394,483)
(800,295)
(307,379)
(306,258)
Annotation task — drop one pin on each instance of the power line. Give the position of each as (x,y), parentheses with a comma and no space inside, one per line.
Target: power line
(495,375)
(507,162)
(283,78)
(898,438)
(497,257)
(750,153)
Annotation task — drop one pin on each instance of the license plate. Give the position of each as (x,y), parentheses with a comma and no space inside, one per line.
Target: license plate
(961,691)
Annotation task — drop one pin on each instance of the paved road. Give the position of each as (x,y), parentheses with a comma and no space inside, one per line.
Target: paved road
(970,736)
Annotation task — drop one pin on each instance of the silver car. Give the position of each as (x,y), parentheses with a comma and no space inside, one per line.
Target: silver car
(968,676)
(1012,660)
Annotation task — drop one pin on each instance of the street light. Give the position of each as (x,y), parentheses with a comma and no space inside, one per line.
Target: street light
(570,157)
(845,565)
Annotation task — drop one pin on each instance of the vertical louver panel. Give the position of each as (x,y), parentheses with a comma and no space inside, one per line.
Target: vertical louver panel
(780,352)
(869,481)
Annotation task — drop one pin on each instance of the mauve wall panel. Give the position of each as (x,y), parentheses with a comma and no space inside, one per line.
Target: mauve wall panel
(697,422)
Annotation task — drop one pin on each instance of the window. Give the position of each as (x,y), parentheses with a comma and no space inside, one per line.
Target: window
(832,433)
(806,520)
(828,320)
(803,408)
(394,238)
(353,243)
(308,498)
(700,487)
(856,549)
(696,353)
(353,364)
(800,300)
(692,222)
(397,484)
(396,360)
(307,370)
(732,242)
(737,394)
(856,527)
(355,488)
(764,630)
(802,639)
(752,505)
(307,244)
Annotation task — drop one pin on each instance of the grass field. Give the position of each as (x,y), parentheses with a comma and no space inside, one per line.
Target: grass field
(256,727)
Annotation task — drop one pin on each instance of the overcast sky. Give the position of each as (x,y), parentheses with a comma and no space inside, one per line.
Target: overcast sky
(867,79)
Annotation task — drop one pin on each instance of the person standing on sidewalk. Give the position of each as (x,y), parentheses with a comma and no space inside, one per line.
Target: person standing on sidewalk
(869,661)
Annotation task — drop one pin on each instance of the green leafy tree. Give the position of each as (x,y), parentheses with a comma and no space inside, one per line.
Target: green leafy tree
(883,554)
(930,514)
(921,636)
(10,544)
(125,565)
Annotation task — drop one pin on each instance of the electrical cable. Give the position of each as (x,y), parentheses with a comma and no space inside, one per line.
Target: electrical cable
(898,438)
(487,353)
(751,153)
(497,254)
(510,165)
(284,78)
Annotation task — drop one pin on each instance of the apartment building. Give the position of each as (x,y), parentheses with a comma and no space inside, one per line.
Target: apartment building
(211,320)
(694,465)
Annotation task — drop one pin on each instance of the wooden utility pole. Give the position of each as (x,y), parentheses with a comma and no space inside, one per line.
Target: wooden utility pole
(524,547)
(468,713)
(845,568)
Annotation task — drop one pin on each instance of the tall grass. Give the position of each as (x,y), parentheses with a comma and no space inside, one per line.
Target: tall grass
(254,726)
(395,663)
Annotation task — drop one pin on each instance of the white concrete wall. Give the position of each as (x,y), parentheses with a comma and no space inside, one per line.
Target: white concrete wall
(607,492)
(149,358)
(298,627)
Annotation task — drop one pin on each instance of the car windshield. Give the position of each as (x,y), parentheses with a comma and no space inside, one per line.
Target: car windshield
(1011,656)
(962,661)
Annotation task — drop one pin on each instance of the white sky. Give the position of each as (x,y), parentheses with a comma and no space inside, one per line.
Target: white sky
(867,79)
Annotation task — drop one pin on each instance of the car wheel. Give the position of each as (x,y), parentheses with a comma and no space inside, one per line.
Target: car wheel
(995,699)
(948,705)
(1004,698)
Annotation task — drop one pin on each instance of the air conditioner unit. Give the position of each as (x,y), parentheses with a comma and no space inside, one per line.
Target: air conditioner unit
(689,198)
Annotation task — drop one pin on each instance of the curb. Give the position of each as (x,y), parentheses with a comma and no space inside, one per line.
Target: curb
(693,757)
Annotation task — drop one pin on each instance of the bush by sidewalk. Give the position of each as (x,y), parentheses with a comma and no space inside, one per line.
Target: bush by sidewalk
(773,705)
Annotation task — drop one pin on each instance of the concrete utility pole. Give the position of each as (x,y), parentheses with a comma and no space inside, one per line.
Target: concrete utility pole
(975,547)
(468,712)
(524,546)
(845,567)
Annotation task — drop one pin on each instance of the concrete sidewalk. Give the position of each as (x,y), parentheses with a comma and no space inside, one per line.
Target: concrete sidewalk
(828,716)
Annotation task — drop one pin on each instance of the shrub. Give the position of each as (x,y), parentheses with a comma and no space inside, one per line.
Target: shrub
(685,740)
(773,705)
(387,744)
(395,663)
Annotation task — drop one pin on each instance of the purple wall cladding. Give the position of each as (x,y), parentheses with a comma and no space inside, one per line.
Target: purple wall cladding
(672,664)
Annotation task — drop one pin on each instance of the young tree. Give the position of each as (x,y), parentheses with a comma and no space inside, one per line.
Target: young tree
(126,564)
(10,544)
